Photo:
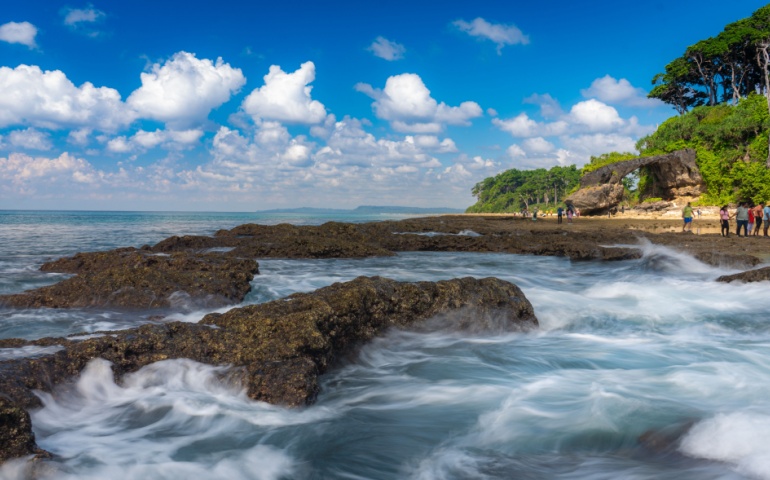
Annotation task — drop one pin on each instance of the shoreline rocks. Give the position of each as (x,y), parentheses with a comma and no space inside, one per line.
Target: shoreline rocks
(278,349)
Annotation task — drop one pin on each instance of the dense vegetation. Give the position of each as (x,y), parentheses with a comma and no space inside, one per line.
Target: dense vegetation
(731,145)
(514,190)
(720,69)
(721,88)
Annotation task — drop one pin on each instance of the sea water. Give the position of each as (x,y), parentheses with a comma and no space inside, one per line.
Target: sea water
(641,369)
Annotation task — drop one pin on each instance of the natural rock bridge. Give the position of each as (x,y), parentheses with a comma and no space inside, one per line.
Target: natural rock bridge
(674,175)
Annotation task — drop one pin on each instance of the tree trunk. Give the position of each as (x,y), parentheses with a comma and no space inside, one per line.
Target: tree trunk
(763,59)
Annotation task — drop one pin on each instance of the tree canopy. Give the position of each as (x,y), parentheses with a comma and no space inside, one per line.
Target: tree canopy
(513,189)
(719,69)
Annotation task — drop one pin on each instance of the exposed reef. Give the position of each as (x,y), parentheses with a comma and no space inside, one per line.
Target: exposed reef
(758,275)
(277,349)
(130,278)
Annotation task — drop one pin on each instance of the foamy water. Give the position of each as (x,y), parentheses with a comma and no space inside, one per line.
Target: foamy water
(627,351)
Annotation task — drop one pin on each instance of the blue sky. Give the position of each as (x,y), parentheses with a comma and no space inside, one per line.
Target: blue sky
(240,106)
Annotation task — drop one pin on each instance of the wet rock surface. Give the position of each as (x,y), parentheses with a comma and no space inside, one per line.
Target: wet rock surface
(130,278)
(758,275)
(277,349)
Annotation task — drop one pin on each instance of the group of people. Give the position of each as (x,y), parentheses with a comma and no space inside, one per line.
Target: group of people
(748,217)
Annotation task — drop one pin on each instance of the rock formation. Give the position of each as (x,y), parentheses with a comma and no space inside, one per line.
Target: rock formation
(758,275)
(674,175)
(131,278)
(277,349)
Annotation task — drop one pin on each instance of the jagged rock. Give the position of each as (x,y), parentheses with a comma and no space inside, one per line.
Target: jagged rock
(16,437)
(597,199)
(674,175)
(330,240)
(758,275)
(728,259)
(277,349)
(654,206)
(130,278)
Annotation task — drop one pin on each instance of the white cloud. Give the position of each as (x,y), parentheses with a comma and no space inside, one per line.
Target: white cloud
(619,92)
(144,140)
(500,34)
(21,168)
(406,103)
(523,126)
(595,115)
(285,97)
(183,91)
(515,151)
(79,136)
(29,139)
(49,100)
(19,32)
(538,145)
(549,106)
(599,143)
(384,48)
(76,16)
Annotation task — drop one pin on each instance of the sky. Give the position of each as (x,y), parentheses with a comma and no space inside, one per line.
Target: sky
(243,106)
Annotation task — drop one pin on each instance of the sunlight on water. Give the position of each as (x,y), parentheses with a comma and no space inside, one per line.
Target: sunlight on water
(644,369)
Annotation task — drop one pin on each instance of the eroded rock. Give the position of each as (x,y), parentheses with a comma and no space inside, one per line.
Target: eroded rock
(278,349)
(758,275)
(130,278)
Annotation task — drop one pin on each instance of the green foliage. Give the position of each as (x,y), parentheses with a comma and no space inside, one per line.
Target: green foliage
(731,142)
(513,189)
(719,69)
(652,200)
(606,159)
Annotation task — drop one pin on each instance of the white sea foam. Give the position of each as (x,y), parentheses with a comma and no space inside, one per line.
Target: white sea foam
(741,439)
(27,351)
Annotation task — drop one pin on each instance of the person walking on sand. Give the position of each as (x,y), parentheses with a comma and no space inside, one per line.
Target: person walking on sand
(724,221)
(751,219)
(742,219)
(687,217)
(758,214)
(559,214)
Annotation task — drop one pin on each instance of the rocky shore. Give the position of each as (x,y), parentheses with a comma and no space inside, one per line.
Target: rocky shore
(278,349)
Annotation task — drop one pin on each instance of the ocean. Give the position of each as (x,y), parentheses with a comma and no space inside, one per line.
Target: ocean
(641,369)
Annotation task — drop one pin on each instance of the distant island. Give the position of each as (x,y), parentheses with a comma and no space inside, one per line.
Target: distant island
(365,209)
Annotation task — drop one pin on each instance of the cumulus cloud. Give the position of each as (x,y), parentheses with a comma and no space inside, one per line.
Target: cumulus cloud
(406,103)
(20,168)
(47,99)
(549,106)
(538,145)
(183,91)
(619,92)
(384,48)
(595,115)
(29,139)
(145,140)
(285,97)
(75,17)
(523,126)
(500,34)
(19,32)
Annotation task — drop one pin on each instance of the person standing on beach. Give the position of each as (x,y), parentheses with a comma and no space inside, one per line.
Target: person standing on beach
(751,218)
(766,214)
(687,216)
(758,214)
(742,218)
(559,214)
(724,220)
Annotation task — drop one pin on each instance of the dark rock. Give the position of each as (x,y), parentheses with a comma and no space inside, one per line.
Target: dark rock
(596,199)
(728,260)
(654,206)
(674,175)
(16,437)
(758,275)
(277,349)
(130,278)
